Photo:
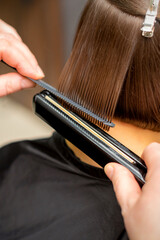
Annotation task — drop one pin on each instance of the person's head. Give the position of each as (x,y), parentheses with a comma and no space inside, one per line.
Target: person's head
(113,70)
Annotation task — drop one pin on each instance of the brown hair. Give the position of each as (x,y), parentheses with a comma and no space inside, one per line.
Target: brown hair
(112,69)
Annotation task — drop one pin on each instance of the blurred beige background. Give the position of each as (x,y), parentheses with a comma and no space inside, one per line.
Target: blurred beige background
(47,27)
(18,122)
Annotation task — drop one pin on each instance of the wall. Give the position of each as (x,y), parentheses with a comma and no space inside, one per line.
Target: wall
(71,12)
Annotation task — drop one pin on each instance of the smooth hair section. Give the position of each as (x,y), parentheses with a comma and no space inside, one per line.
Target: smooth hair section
(113,70)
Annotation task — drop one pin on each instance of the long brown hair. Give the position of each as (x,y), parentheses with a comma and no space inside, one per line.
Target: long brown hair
(112,69)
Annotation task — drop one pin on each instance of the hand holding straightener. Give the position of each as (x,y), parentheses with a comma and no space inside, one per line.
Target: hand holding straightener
(140,207)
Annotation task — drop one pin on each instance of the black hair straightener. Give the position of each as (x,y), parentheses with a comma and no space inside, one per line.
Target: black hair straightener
(92,140)
(89,138)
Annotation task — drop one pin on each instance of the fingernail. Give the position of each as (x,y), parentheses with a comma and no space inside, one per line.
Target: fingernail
(40,72)
(109,171)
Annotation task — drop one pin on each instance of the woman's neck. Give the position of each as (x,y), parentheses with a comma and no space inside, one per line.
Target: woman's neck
(134,138)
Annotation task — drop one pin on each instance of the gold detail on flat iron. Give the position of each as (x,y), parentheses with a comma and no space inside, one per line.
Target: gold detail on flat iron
(89,129)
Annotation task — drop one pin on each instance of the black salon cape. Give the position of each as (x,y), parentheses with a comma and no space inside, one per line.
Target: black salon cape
(47,193)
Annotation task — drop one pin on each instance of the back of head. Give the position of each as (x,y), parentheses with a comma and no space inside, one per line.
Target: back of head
(113,70)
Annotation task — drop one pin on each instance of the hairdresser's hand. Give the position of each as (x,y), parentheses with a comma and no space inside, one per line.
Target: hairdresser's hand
(16,54)
(140,208)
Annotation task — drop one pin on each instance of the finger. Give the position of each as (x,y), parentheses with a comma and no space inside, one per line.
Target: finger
(20,46)
(151,156)
(12,82)
(125,186)
(4,27)
(28,54)
(14,57)
(11,32)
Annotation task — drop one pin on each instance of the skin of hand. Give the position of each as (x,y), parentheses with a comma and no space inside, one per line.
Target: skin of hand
(140,207)
(16,54)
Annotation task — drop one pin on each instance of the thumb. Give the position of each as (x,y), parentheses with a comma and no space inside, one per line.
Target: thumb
(151,156)
(12,82)
(125,186)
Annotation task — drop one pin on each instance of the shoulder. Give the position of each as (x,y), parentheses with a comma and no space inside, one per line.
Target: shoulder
(27,150)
